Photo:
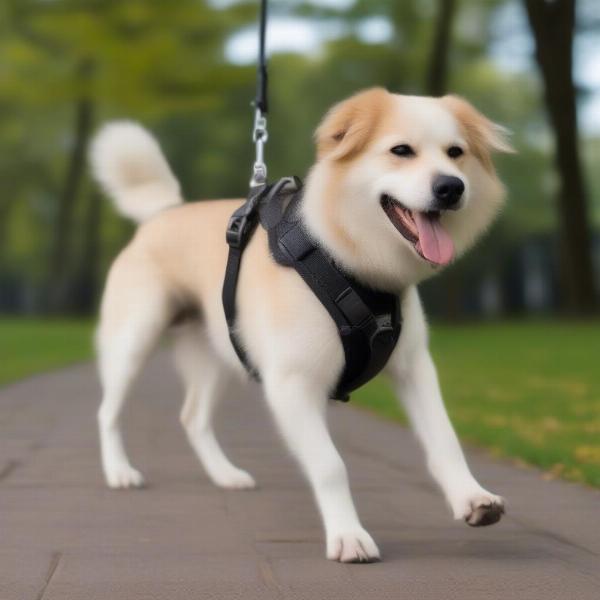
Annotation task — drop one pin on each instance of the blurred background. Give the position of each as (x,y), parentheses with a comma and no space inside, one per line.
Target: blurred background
(522,306)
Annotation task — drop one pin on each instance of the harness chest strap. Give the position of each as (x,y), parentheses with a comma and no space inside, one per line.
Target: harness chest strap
(368,321)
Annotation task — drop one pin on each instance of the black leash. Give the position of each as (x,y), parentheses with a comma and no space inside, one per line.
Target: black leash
(261,101)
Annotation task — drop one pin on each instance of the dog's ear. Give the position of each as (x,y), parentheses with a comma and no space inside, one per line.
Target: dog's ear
(483,136)
(347,126)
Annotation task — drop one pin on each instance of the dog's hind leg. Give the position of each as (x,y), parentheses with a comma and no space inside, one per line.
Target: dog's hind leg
(133,316)
(205,379)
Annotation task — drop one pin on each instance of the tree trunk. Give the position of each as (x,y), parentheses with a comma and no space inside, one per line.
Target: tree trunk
(436,77)
(436,84)
(553,26)
(59,270)
(85,288)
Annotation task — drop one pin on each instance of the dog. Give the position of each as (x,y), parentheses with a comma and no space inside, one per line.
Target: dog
(402,185)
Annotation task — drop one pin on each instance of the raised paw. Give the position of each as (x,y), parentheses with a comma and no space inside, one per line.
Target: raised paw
(484,509)
(124,477)
(235,479)
(352,547)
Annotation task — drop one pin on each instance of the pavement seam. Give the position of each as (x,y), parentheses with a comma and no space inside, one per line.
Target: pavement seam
(54,562)
(264,567)
(268,576)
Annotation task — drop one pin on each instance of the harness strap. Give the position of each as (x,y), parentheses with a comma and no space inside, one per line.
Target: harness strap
(240,228)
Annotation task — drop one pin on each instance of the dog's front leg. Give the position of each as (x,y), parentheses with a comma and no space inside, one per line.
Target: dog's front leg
(416,384)
(300,413)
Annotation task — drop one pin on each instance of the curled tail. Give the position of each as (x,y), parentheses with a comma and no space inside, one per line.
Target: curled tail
(129,165)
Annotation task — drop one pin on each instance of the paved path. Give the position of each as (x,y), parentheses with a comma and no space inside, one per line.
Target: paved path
(64,536)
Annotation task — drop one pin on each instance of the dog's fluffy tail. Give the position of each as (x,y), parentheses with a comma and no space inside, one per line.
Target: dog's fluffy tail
(129,164)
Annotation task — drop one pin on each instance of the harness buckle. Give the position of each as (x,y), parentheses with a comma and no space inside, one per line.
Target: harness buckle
(236,230)
(242,221)
(383,332)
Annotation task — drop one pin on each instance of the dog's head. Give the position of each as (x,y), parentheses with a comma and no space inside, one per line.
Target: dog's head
(402,184)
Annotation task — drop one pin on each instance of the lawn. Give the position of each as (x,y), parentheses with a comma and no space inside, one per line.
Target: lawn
(29,346)
(529,391)
(526,390)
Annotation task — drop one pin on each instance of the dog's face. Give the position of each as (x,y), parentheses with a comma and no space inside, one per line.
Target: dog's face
(403,184)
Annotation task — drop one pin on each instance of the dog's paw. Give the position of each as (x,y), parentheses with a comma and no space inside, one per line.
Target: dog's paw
(123,477)
(235,479)
(481,509)
(352,547)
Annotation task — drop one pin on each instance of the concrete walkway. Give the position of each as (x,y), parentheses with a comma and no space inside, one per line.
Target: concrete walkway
(64,536)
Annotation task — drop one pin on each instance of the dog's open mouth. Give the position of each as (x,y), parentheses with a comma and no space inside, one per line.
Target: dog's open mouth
(422,229)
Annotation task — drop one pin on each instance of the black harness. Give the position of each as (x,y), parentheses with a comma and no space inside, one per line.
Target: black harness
(368,321)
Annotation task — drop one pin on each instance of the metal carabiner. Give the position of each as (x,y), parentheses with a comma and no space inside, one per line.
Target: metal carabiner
(260,135)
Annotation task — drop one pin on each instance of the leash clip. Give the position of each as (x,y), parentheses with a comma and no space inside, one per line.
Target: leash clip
(260,135)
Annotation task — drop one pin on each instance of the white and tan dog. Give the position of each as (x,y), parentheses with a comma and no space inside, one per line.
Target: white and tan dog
(402,185)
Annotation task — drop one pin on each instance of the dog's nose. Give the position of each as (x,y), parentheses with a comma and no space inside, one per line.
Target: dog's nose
(447,191)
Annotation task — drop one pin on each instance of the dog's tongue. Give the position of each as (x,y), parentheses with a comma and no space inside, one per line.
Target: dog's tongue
(436,245)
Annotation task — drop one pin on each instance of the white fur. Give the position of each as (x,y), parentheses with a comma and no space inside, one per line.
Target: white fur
(129,164)
(297,350)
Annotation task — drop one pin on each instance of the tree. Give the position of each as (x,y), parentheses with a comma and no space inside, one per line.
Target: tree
(59,291)
(436,81)
(553,27)
(85,286)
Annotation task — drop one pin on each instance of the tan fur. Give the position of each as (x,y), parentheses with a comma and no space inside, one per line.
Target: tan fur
(349,125)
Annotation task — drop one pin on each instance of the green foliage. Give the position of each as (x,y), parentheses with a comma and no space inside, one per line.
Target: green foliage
(526,390)
(31,346)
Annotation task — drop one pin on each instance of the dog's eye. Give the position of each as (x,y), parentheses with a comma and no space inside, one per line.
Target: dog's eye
(403,150)
(455,152)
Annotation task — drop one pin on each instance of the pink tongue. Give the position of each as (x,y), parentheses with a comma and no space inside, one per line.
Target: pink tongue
(435,243)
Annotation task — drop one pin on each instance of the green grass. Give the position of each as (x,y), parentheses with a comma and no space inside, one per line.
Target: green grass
(29,346)
(525,390)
